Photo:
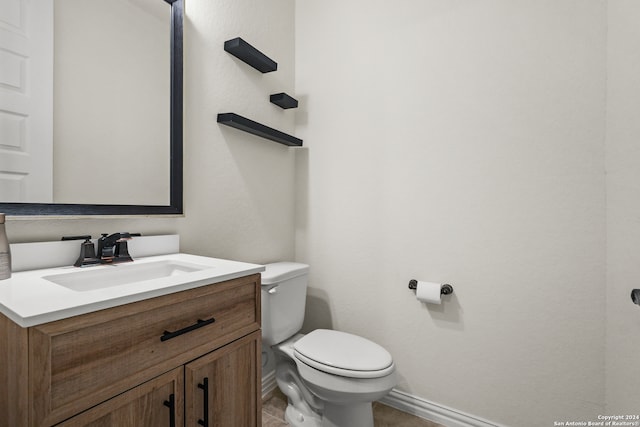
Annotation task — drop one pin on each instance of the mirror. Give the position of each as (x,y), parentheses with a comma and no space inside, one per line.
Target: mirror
(117,116)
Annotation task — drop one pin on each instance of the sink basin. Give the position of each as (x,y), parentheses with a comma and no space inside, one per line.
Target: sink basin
(121,274)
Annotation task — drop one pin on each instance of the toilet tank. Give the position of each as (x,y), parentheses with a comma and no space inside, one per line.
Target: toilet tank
(284,295)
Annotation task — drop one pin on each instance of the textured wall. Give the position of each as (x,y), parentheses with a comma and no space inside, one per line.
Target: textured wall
(239,189)
(460,141)
(623,206)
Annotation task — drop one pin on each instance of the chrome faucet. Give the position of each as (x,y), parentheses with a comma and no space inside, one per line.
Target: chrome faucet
(113,248)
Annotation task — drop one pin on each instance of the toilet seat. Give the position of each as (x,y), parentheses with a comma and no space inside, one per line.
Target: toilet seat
(343,354)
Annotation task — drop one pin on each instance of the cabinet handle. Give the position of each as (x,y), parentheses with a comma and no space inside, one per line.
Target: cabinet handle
(171,404)
(205,388)
(199,324)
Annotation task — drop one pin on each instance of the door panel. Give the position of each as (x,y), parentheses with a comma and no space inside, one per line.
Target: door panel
(147,405)
(233,392)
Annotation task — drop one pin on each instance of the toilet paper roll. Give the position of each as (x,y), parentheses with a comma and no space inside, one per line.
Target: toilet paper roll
(429,292)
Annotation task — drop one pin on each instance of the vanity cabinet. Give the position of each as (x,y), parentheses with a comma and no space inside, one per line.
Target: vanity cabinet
(121,365)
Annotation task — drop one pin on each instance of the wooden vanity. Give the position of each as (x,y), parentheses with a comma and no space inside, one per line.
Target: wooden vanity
(189,358)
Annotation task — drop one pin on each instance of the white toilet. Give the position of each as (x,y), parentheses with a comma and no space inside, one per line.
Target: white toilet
(329,377)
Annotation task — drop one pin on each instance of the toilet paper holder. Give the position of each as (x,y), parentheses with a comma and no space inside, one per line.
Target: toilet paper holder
(635,296)
(446,288)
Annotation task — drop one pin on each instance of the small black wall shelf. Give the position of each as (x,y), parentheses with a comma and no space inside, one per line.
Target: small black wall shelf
(249,54)
(237,121)
(283,100)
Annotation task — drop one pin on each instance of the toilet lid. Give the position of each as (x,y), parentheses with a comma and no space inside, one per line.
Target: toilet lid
(343,354)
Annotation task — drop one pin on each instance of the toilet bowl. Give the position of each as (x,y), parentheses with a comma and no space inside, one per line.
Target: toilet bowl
(330,377)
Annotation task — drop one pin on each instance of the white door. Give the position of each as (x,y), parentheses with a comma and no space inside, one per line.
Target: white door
(26,100)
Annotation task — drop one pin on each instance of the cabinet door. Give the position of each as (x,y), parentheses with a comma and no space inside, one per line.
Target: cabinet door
(156,403)
(222,388)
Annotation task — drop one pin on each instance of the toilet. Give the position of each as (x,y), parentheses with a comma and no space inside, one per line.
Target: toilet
(329,377)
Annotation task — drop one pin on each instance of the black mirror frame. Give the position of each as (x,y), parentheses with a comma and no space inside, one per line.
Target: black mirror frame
(175,206)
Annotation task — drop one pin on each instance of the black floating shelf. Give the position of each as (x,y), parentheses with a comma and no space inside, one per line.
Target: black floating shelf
(249,54)
(236,121)
(283,100)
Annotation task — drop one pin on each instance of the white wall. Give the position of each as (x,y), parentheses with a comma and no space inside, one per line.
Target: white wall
(462,142)
(239,189)
(623,206)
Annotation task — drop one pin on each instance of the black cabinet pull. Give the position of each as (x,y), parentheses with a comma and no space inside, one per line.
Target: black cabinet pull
(199,324)
(205,388)
(171,404)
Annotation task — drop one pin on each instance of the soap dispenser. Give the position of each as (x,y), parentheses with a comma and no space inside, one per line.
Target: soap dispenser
(5,251)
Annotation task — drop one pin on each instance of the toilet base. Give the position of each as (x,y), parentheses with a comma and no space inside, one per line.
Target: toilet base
(354,415)
(296,418)
(359,415)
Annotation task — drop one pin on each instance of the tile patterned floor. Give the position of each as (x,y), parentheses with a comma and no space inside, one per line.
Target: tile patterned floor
(274,405)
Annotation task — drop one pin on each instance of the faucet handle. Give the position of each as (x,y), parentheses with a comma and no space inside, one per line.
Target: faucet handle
(87,251)
(122,249)
(84,237)
(113,248)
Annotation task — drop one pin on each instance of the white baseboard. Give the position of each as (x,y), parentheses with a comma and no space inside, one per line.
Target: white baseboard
(432,411)
(268,383)
(410,404)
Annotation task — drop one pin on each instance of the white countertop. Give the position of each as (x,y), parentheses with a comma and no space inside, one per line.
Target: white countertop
(29,299)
